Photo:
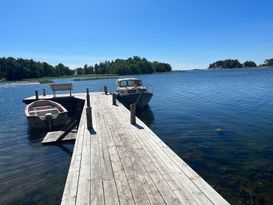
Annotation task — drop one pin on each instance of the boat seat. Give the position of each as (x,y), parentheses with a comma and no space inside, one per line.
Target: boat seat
(44,111)
(43,107)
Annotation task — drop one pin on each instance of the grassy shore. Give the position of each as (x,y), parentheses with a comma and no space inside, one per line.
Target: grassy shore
(44,80)
(51,79)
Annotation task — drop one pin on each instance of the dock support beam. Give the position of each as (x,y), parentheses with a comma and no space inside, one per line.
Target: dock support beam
(133,114)
(105,90)
(88,111)
(36,95)
(114,99)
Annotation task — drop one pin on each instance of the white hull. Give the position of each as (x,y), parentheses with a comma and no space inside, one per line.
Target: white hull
(37,123)
(141,100)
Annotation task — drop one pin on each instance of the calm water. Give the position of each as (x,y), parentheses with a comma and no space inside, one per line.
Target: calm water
(219,122)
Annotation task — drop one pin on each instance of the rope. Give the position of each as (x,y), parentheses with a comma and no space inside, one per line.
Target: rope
(138,98)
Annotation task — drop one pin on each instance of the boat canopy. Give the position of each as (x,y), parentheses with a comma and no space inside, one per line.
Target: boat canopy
(125,82)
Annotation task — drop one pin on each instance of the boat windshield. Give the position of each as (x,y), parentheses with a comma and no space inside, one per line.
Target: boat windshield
(126,83)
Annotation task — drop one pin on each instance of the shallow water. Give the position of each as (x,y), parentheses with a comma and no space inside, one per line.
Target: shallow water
(219,122)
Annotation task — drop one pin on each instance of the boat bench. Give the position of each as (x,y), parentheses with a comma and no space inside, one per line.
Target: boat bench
(61,87)
(42,112)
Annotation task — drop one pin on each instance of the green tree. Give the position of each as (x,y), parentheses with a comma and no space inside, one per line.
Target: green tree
(268,62)
(17,69)
(228,63)
(249,64)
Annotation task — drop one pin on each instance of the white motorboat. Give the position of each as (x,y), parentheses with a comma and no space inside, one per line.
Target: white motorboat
(132,91)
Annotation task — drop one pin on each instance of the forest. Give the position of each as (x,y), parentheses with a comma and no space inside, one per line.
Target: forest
(231,63)
(18,69)
(130,66)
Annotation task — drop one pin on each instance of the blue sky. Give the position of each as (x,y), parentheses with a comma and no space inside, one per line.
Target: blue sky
(188,34)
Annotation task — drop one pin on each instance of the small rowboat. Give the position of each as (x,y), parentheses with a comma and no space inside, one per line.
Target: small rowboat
(45,114)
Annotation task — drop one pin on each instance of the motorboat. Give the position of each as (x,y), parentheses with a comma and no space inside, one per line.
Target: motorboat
(132,91)
(42,114)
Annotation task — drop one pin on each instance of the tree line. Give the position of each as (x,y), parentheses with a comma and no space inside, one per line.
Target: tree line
(18,69)
(231,63)
(131,66)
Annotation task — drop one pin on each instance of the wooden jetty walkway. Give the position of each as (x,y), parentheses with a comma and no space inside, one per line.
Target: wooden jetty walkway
(120,163)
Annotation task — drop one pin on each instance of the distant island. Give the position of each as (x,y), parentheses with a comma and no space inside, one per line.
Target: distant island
(130,66)
(231,63)
(18,69)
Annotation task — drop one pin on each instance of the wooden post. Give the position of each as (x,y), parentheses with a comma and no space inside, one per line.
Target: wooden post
(133,114)
(89,117)
(44,92)
(88,110)
(114,99)
(105,89)
(36,95)
(87,97)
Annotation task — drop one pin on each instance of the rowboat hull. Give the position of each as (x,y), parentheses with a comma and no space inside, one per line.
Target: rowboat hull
(37,123)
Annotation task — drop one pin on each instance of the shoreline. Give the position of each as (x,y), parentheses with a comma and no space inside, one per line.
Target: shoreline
(50,79)
(82,77)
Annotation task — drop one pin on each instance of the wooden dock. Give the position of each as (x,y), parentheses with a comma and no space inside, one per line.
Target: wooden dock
(120,163)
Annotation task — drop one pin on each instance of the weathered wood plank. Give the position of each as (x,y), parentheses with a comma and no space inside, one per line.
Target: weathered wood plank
(142,174)
(136,186)
(122,184)
(96,186)
(83,193)
(109,183)
(52,137)
(71,185)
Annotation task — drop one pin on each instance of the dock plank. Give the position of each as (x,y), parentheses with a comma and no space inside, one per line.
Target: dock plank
(109,183)
(52,137)
(136,187)
(122,184)
(71,186)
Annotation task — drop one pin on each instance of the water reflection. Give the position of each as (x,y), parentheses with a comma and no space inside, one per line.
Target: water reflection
(146,115)
(35,136)
(66,149)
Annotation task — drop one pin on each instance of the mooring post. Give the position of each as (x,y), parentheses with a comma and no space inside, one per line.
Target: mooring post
(87,97)
(44,92)
(89,117)
(114,99)
(88,110)
(36,95)
(105,89)
(133,114)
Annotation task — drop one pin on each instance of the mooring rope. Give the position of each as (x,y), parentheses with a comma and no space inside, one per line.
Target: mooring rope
(138,97)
